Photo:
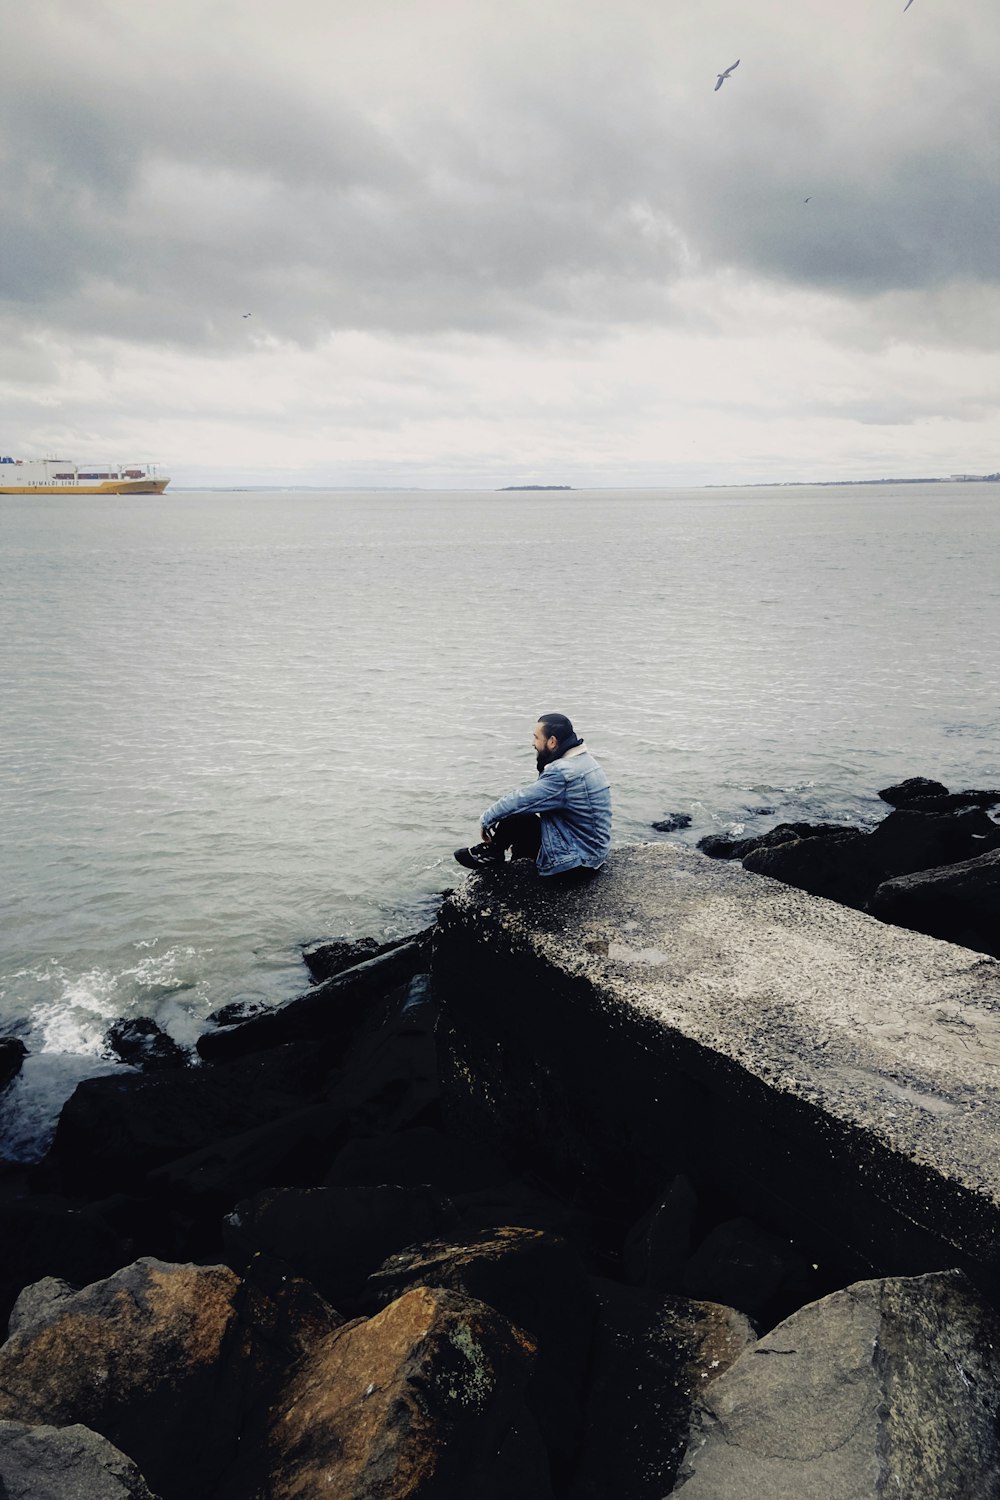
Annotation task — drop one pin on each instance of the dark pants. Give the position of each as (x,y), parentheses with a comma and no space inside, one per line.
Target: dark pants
(521,833)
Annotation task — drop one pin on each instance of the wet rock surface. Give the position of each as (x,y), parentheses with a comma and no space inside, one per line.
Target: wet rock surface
(12,1055)
(143,1044)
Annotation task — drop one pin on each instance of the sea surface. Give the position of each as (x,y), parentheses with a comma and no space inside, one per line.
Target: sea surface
(233,723)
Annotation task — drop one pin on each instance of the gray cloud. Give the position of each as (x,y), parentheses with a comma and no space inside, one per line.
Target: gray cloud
(170,174)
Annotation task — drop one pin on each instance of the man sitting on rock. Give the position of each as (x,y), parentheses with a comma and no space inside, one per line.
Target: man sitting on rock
(562,821)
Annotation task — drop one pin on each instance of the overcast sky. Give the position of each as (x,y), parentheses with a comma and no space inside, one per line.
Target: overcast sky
(485,242)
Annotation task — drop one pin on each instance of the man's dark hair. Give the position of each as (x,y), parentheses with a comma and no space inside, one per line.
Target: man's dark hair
(558,725)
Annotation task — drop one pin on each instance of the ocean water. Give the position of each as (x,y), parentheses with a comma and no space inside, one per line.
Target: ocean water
(236,722)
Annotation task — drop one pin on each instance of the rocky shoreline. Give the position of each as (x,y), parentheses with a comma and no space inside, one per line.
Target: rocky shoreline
(285,1269)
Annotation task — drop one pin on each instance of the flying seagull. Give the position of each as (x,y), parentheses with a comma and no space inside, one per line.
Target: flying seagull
(723,76)
(248,315)
(907,6)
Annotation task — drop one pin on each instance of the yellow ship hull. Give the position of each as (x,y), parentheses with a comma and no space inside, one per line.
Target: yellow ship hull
(106,487)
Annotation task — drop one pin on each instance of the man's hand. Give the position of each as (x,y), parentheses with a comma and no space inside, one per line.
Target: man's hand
(485,835)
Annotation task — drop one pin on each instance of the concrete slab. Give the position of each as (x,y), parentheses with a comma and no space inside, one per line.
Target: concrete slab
(863,1055)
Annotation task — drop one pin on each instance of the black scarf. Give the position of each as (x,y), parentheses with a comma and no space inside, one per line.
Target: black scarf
(546,757)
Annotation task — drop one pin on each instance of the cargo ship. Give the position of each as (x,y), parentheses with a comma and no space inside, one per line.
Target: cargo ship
(61,476)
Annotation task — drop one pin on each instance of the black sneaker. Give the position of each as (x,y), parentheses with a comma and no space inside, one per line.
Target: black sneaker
(480,857)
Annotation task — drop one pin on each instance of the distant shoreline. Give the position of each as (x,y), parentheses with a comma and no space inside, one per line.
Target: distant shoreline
(755,484)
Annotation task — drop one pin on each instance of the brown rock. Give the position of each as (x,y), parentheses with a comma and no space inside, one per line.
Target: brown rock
(162,1360)
(410,1403)
(537,1281)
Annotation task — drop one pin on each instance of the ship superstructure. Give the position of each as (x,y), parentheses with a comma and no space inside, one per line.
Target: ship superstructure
(63,476)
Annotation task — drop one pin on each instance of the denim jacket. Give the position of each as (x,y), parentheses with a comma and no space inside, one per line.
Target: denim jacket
(573,796)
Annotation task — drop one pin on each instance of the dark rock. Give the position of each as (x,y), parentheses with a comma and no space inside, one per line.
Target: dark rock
(44,1235)
(534,1279)
(334,1236)
(517,1201)
(419,1155)
(840,867)
(12,1055)
(334,1010)
(673,821)
(115,1129)
(906,841)
(904,793)
(143,1044)
(417,1401)
(746,1267)
(238,1010)
(720,846)
(65,1463)
(659,1244)
(848,867)
(653,1355)
(959,903)
(295,1149)
(956,801)
(388,1080)
(325,959)
(887,1387)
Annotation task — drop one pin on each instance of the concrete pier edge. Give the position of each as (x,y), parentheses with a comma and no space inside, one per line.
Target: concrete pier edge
(836,1076)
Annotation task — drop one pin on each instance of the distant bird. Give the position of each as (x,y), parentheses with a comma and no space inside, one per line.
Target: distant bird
(907,6)
(248,315)
(723,76)
(807,200)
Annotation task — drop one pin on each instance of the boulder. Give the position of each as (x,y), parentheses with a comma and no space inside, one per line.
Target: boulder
(165,1361)
(421,1400)
(719,846)
(537,1282)
(653,1355)
(325,959)
(849,867)
(143,1044)
(905,793)
(138,1359)
(959,903)
(334,1010)
(672,821)
(12,1055)
(888,1387)
(336,1237)
(117,1128)
(956,801)
(65,1463)
(240,1009)
(909,840)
